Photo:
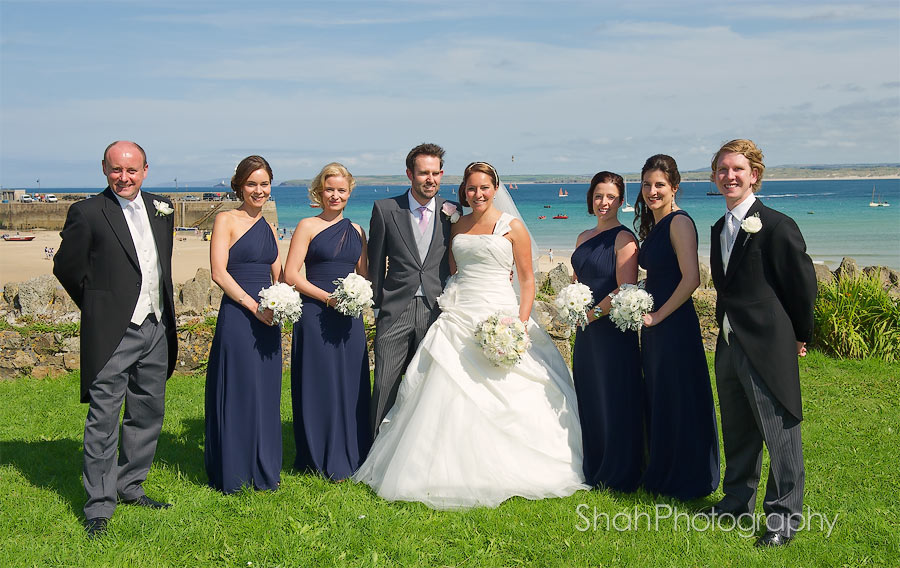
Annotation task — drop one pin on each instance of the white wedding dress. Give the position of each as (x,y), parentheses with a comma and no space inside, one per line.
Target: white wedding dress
(464,433)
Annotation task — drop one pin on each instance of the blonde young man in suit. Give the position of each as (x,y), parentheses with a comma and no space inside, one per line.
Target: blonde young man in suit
(115,261)
(766,289)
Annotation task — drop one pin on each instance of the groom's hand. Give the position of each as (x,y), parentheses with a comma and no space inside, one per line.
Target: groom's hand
(801,349)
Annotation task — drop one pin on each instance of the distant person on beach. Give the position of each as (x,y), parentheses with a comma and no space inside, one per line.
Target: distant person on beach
(682,438)
(550,254)
(606,362)
(115,261)
(766,288)
(409,238)
(243,376)
(330,389)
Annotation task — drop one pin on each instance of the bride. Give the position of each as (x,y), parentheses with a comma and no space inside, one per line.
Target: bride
(464,433)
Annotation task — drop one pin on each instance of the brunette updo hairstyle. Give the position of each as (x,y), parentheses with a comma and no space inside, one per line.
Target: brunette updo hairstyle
(244,170)
(481,167)
(643,217)
(604,177)
(334,169)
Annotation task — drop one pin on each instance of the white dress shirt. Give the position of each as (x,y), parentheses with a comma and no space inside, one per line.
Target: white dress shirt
(150,297)
(414,207)
(734,216)
(417,217)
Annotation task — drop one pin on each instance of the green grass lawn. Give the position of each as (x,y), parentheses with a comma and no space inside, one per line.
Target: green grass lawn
(850,440)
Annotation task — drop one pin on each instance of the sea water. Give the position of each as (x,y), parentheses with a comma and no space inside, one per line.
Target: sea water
(833,215)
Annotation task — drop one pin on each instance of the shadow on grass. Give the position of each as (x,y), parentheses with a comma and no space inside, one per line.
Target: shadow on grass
(184,451)
(49,464)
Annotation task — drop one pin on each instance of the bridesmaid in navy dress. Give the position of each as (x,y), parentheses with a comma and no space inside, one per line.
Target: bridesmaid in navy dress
(243,378)
(330,385)
(606,363)
(682,437)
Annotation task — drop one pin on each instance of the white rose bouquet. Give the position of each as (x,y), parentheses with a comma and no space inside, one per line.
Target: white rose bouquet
(629,305)
(503,339)
(353,295)
(283,300)
(572,303)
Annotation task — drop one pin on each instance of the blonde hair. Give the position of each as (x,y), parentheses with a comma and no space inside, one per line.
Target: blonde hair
(334,169)
(749,150)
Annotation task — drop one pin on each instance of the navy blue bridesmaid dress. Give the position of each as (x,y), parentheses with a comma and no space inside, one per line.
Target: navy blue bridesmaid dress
(330,385)
(606,367)
(243,377)
(682,438)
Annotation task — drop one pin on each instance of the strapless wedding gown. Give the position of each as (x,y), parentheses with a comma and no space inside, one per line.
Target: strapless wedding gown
(464,433)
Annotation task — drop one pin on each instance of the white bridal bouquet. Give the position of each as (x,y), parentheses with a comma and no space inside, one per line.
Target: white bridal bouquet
(283,300)
(503,338)
(629,305)
(571,303)
(353,295)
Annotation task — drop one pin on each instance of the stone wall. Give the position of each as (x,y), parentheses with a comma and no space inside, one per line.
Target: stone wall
(39,333)
(52,216)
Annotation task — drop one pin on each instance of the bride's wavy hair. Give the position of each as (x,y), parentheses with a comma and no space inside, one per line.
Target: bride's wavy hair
(245,169)
(477,167)
(643,217)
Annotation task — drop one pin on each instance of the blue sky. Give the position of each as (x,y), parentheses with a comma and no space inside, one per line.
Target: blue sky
(566,87)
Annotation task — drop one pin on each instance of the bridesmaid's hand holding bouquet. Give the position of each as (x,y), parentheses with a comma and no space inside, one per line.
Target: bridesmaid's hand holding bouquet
(352,295)
(283,300)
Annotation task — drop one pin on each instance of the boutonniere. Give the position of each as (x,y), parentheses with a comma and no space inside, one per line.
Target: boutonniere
(450,211)
(751,224)
(162,208)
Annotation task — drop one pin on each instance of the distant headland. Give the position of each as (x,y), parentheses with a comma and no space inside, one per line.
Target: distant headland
(786,172)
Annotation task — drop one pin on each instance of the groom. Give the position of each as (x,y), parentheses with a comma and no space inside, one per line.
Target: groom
(115,261)
(409,237)
(766,288)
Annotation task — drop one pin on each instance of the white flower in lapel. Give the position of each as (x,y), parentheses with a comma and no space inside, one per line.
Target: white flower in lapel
(751,224)
(162,208)
(450,210)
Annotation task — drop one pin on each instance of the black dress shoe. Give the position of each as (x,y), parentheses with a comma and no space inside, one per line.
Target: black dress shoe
(95,527)
(772,538)
(144,501)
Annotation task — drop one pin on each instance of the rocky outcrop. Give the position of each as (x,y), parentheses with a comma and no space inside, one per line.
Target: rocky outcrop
(39,322)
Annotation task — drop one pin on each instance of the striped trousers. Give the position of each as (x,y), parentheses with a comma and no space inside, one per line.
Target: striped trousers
(751,417)
(395,344)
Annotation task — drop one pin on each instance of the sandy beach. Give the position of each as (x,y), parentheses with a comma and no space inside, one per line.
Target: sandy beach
(26,260)
(20,261)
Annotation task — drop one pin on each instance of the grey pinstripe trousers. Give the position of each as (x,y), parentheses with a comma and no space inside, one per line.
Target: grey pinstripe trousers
(135,374)
(751,416)
(394,347)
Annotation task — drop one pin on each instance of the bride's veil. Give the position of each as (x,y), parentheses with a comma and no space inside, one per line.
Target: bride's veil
(503,201)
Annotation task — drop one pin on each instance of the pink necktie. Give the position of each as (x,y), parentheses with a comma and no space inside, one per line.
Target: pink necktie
(423,219)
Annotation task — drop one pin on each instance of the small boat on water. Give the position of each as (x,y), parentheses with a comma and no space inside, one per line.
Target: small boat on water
(713,193)
(314,205)
(18,238)
(625,207)
(547,206)
(880,202)
(563,193)
(542,217)
(561,216)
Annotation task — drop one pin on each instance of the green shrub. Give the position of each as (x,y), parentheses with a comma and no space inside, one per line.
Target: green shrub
(856,318)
